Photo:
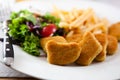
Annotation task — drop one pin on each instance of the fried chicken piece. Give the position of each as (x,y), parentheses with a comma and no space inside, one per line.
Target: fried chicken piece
(90,49)
(59,51)
(62,53)
(43,41)
(112,45)
(77,30)
(74,38)
(114,30)
(102,38)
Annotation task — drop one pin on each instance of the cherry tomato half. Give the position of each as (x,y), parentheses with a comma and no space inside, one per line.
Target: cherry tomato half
(48,30)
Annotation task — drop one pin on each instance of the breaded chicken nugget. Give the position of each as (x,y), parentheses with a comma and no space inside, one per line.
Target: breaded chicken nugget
(114,30)
(74,38)
(62,53)
(112,45)
(77,30)
(102,38)
(43,41)
(90,49)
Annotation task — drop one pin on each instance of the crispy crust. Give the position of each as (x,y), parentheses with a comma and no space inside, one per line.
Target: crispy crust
(112,45)
(43,41)
(114,30)
(102,38)
(62,53)
(90,49)
(74,38)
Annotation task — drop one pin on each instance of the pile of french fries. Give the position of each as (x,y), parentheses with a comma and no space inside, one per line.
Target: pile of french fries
(85,19)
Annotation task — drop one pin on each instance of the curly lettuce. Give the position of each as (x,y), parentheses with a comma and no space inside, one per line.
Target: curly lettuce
(19,31)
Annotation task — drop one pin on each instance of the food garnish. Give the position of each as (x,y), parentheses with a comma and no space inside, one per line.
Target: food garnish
(27,29)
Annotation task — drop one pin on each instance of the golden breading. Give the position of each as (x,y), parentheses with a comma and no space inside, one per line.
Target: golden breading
(62,53)
(77,30)
(114,30)
(102,38)
(90,49)
(43,41)
(112,45)
(74,38)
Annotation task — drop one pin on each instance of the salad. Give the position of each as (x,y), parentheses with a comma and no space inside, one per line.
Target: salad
(27,28)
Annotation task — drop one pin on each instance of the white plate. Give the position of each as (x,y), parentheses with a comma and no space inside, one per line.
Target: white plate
(40,68)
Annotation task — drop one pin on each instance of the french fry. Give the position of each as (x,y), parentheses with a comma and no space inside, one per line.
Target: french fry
(86,20)
(59,13)
(75,12)
(81,18)
(63,24)
(94,27)
(97,28)
(70,34)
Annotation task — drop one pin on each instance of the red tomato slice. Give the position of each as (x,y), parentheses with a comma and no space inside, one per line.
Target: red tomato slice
(48,30)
